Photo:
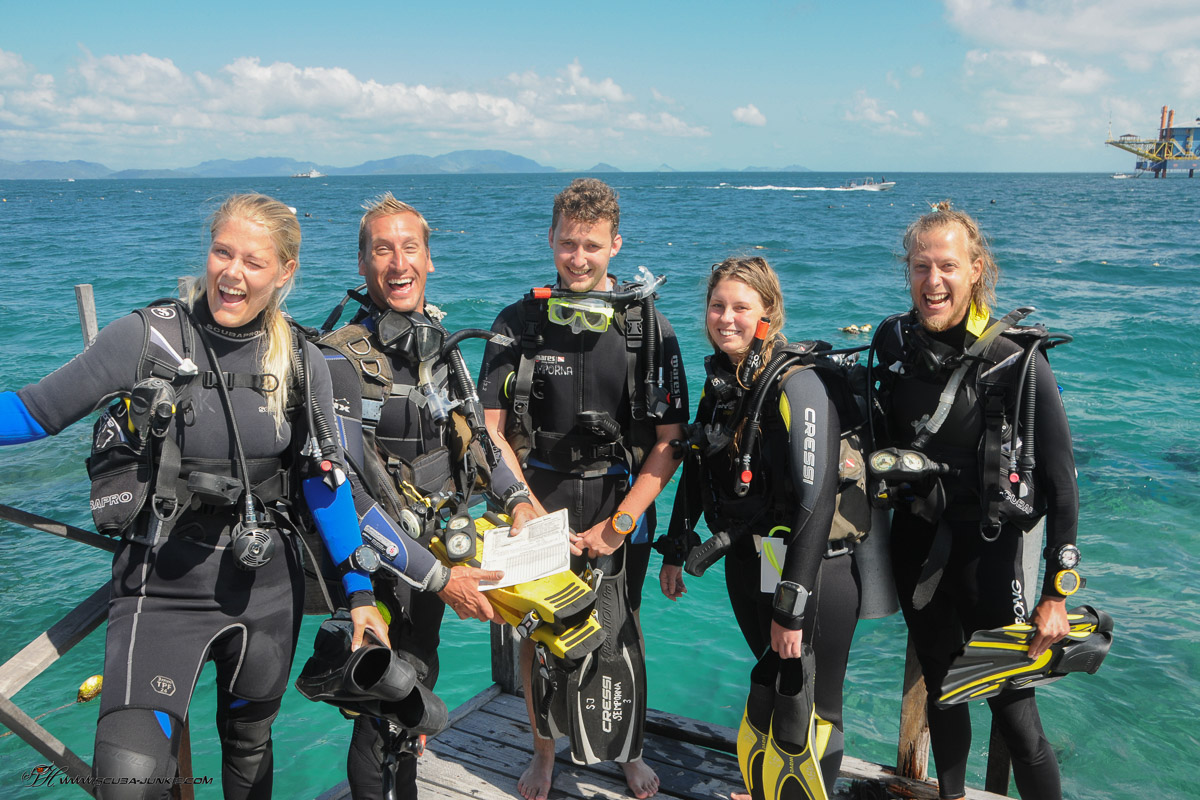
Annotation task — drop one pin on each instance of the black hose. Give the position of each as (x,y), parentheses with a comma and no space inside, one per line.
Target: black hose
(650,351)
(765,380)
(1028,458)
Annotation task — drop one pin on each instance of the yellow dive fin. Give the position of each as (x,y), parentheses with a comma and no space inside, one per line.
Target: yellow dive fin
(791,761)
(557,610)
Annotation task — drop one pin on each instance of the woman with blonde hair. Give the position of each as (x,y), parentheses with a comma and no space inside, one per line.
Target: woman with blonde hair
(198,468)
(763,467)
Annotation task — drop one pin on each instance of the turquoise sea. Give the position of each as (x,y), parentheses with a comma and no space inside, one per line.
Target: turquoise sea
(1115,263)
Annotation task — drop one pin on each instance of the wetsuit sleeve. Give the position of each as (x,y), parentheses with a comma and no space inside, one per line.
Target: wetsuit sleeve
(17,426)
(812,448)
(416,564)
(499,360)
(90,379)
(671,363)
(1054,473)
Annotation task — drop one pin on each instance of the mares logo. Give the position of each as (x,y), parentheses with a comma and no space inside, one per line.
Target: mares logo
(120,498)
(810,446)
(163,685)
(550,364)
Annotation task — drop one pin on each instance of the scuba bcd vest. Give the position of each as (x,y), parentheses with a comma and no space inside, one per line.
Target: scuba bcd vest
(998,373)
(730,508)
(411,490)
(135,459)
(595,444)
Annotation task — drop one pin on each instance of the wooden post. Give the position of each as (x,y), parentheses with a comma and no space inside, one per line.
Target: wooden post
(996,778)
(86,302)
(44,742)
(506,655)
(912,757)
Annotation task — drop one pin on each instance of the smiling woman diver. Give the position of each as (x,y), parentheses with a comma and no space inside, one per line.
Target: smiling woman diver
(197,467)
(778,488)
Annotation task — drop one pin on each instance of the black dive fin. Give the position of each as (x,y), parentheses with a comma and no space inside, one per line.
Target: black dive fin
(606,694)
(996,660)
(704,555)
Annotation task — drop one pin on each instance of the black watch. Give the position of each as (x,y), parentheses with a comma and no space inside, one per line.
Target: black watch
(790,599)
(515,495)
(364,558)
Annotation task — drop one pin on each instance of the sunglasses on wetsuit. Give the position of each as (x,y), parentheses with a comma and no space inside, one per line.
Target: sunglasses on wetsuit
(410,335)
(586,312)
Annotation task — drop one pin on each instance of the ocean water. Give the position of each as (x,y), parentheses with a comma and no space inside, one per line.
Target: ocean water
(1114,263)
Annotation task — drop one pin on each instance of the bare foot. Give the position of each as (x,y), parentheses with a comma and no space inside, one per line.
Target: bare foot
(641,779)
(534,783)
(739,796)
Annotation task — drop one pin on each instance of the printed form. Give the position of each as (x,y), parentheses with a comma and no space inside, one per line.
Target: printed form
(542,548)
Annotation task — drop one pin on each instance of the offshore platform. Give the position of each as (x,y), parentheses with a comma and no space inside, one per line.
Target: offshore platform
(1174,149)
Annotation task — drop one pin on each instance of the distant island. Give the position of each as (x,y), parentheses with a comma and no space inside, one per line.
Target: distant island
(460,162)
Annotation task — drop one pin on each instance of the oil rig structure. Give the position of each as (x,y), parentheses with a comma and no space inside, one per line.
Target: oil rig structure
(1176,148)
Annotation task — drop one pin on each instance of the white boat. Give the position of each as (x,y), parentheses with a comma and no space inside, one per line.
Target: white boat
(1122,175)
(312,173)
(866,185)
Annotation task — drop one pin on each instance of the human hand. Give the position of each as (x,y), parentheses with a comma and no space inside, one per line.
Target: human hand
(368,618)
(521,515)
(1050,619)
(598,540)
(462,593)
(786,642)
(670,579)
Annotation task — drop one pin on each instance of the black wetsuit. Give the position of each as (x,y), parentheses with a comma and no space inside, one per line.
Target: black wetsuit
(182,600)
(783,500)
(404,433)
(576,372)
(982,585)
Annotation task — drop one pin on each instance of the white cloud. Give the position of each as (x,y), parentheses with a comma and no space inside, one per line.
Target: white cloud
(146,104)
(920,117)
(1085,26)
(750,115)
(659,97)
(1034,69)
(916,71)
(1028,117)
(1185,69)
(13,70)
(867,109)
(892,80)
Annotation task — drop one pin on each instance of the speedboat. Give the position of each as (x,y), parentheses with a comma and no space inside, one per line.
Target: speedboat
(312,173)
(867,185)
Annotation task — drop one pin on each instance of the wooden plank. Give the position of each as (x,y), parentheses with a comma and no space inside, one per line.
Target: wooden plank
(86,302)
(44,742)
(912,753)
(47,648)
(57,528)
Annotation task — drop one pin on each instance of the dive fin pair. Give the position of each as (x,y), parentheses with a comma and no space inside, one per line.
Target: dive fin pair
(556,611)
(781,739)
(996,660)
(599,701)
(371,680)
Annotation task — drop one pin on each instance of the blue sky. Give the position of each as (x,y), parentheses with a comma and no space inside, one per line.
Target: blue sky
(875,86)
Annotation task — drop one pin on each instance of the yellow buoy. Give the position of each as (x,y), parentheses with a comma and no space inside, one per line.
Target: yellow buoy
(90,689)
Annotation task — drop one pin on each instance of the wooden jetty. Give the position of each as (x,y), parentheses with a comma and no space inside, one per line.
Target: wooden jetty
(488,743)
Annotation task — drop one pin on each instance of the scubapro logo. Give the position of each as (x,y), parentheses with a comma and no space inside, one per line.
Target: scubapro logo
(163,312)
(163,685)
(120,498)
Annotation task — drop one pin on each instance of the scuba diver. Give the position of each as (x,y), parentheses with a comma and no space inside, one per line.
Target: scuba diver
(783,493)
(586,402)
(201,467)
(407,410)
(958,393)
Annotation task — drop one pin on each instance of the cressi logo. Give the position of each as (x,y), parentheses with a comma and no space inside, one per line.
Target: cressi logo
(810,446)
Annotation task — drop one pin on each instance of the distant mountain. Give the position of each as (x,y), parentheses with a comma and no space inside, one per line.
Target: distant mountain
(458,162)
(788,168)
(664,167)
(51,170)
(600,168)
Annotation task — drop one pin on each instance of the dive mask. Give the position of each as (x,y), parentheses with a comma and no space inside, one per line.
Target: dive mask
(410,335)
(587,312)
